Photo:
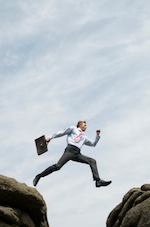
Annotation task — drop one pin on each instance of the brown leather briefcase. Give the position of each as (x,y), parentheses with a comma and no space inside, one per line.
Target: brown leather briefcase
(41,145)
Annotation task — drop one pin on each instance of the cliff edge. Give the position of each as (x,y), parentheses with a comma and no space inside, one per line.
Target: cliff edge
(134,210)
(21,205)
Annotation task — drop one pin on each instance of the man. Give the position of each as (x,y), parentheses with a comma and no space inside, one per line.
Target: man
(75,140)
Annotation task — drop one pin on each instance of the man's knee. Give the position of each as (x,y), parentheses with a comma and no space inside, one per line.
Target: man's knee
(93,161)
(57,166)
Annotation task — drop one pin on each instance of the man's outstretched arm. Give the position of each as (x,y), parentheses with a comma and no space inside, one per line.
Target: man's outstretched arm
(88,142)
(64,132)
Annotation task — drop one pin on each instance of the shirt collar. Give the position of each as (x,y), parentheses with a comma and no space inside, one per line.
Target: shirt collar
(80,129)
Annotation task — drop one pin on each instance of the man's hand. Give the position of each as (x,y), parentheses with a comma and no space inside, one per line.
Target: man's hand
(98,132)
(47,139)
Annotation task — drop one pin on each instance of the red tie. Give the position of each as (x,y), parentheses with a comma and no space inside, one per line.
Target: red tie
(77,138)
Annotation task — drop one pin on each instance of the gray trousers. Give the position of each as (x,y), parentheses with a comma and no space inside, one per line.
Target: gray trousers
(73,153)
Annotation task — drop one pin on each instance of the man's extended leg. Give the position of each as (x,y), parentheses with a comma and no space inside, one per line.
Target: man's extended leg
(92,162)
(64,158)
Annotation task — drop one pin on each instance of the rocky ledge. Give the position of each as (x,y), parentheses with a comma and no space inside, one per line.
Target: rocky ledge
(20,205)
(134,210)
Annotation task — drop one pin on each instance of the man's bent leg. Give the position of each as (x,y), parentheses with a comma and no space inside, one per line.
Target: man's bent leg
(92,162)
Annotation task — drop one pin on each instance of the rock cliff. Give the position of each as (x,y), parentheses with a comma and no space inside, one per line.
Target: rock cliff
(20,205)
(133,211)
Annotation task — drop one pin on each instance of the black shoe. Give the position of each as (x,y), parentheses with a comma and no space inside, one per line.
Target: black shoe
(36,179)
(100,183)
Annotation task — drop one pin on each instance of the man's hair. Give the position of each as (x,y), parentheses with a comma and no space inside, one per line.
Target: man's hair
(80,122)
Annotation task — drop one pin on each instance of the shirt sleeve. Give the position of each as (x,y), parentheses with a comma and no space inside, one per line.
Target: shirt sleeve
(64,132)
(88,142)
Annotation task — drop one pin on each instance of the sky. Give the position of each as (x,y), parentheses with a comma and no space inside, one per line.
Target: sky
(68,60)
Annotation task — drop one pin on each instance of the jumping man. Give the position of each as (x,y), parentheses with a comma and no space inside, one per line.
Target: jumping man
(75,140)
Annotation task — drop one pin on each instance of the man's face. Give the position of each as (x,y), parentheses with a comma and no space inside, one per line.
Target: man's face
(83,126)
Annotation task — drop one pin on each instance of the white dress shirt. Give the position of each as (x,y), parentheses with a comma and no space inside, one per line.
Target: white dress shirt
(72,132)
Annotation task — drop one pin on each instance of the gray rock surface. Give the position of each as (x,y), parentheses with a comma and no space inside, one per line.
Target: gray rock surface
(20,205)
(133,211)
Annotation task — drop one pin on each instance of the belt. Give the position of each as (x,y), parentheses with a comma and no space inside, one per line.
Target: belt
(74,147)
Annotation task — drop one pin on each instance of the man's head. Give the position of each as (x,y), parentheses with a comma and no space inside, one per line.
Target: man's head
(82,125)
